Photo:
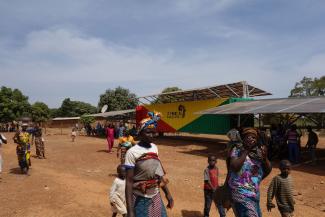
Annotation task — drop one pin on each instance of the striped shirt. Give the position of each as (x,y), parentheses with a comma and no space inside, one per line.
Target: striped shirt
(281,188)
(293,136)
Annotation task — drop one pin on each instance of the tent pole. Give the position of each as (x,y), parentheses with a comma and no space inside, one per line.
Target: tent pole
(238,122)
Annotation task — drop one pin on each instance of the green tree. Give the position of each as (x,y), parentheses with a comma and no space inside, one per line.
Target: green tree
(54,112)
(118,99)
(319,86)
(40,112)
(309,87)
(87,119)
(165,99)
(71,108)
(13,104)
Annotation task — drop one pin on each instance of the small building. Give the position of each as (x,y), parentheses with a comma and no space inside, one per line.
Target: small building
(180,109)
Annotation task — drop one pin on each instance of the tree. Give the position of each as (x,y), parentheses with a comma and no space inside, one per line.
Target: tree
(309,87)
(118,99)
(169,99)
(40,112)
(87,119)
(319,86)
(75,108)
(54,112)
(13,104)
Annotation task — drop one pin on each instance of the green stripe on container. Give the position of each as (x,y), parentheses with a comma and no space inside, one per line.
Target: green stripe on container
(208,124)
(217,124)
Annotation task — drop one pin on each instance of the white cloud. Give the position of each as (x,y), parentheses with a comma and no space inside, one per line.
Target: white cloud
(203,6)
(68,57)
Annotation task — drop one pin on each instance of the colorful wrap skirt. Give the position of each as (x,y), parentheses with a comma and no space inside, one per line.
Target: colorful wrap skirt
(248,207)
(149,207)
(23,156)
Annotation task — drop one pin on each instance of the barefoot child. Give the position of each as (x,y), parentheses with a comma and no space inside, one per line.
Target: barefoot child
(281,189)
(117,193)
(73,134)
(211,183)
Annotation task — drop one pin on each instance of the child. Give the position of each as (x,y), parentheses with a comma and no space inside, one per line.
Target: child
(281,188)
(211,184)
(117,193)
(73,134)
(125,143)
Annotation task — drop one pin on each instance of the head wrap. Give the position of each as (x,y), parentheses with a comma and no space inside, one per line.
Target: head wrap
(151,121)
(255,152)
(249,130)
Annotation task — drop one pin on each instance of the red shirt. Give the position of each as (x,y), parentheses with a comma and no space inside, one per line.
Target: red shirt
(212,176)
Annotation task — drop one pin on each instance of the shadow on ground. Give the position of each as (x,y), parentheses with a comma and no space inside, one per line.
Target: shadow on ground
(187,213)
(16,171)
(217,147)
(210,146)
(103,151)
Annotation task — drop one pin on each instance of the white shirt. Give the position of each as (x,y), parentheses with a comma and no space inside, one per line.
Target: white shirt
(130,160)
(118,189)
(136,152)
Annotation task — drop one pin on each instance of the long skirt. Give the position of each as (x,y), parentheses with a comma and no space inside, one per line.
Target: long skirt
(110,143)
(39,146)
(149,207)
(23,161)
(247,208)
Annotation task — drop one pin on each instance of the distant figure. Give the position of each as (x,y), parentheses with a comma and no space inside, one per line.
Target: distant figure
(125,143)
(110,137)
(39,144)
(73,134)
(311,144)
(211,183)
(22,139)
(133,131)
(281,189)
(88,129)
(121,130)
(234,138)
(117,193)
(263,137)
(98,129)
(3,140)
(292,138)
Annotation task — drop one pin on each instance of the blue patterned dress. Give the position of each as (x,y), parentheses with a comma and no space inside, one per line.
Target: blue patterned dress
(244,186)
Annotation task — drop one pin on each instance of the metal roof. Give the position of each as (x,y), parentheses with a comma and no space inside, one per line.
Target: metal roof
(266,106)
(65,118)
(239,89)
(112,113)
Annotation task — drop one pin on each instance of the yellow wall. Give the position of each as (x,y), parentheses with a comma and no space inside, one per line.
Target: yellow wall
(175,117)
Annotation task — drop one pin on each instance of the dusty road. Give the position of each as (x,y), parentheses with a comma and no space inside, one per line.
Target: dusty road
(75,178)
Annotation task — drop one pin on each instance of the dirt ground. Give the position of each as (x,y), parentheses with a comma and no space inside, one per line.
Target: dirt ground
(75,178)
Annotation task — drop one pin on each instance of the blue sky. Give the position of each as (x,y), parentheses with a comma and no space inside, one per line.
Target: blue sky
(79,48)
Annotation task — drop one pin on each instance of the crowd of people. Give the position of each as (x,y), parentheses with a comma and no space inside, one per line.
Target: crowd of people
(283,142)
(100,130)
(141,176)
(9,127)
(24,137)
(248,163)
